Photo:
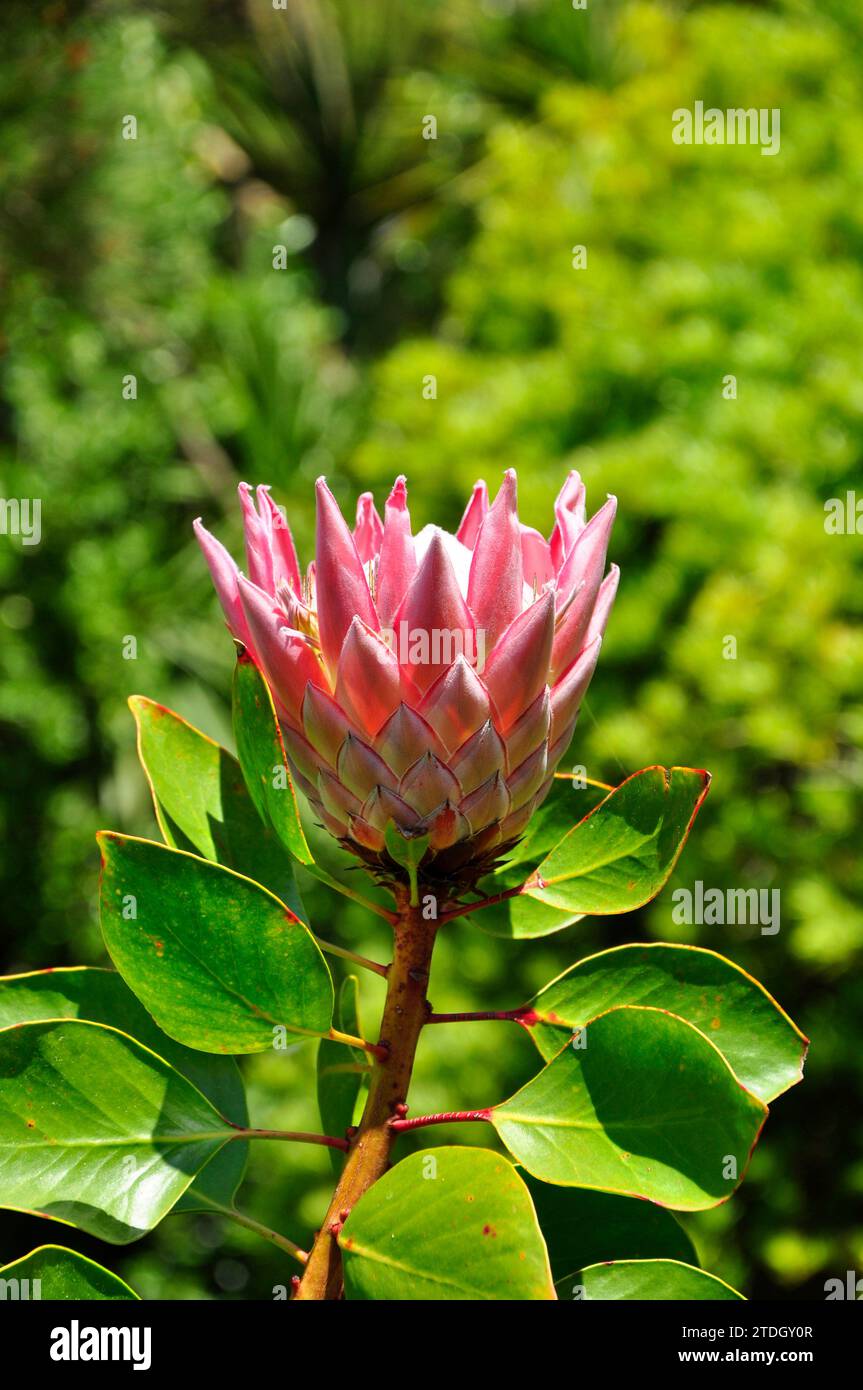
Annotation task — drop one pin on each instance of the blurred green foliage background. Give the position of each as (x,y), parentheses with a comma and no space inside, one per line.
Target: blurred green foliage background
(409,258)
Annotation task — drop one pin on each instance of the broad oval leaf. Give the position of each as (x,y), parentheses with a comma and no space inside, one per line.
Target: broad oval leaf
(564,806)
(96,1130)
(621,854)
(262,757)
(762,1046)
(614,860)
(53,1272)
(102,996)
(342,1073)
(583,1228)
(216,959)
(653,1280)
(645,1107)
(446,1224)
(567,803)
(201,801)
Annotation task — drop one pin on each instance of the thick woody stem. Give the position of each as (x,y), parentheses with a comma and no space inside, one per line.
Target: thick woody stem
(405,1011)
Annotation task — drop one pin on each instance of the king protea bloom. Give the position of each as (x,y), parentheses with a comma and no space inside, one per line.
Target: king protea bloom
(429,681)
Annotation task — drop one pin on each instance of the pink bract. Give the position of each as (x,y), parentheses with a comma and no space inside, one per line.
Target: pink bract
(432,681)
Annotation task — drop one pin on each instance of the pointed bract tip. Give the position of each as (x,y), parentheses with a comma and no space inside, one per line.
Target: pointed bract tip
(202,534)
(508,492)
(399,495)
(572,489)
(436,540)
(327,506)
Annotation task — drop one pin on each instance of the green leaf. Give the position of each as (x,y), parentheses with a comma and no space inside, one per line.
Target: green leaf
(446,1224)
(53,1272)
(216,959)
(407,850)
(262,757)
(201,801)
(647,1107)
(614,860)
(343,1073)
(101,996)
(97,1130)
(564,805)
(583,1228)
(522,917)
(758,1041)
(620,855)
(653,1280)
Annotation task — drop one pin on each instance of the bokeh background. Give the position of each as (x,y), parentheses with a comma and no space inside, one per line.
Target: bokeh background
(408,258)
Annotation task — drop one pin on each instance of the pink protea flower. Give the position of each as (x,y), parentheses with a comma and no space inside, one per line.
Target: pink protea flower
(432,681)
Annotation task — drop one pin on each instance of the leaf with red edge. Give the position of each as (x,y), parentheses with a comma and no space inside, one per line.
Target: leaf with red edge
(641,1104)
(61,1274)
(218,961)
(262,757)
(449,1224)
(97,1130)
(764,1049)
(102,996)
(614,860)
(656,1281)
(201,801)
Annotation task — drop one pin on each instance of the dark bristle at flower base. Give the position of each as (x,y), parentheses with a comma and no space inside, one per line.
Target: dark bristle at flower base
(448,878)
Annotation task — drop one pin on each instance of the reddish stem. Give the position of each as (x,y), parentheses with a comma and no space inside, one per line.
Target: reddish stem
(462,909)
(296,1135)
(446,1117)
(520,1015)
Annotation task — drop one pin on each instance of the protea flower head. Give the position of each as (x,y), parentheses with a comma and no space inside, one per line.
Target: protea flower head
(429,681)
